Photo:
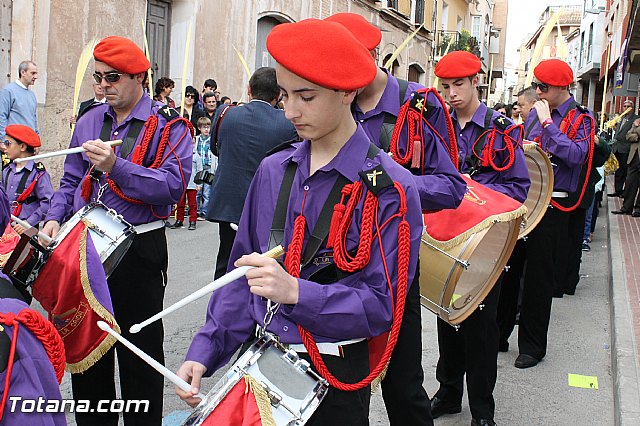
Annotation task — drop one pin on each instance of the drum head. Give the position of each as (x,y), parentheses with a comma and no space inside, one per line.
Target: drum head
(453,292)
(539,196)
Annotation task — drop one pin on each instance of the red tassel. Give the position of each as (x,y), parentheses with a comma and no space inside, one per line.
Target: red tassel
(486,154)
(338,212)
(417,153)
(87,188)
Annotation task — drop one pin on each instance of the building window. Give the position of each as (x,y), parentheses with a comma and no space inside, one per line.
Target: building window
(415,73)
(475,27)
(590,45)
(394,67)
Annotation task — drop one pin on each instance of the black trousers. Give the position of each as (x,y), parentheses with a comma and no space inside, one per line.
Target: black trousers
(404,396)
(227,237)
(596,210)
(537,293)
(567,264)
(137,291)
(472,349)
(621,174)
(632,184)
(510,292)
(341,407)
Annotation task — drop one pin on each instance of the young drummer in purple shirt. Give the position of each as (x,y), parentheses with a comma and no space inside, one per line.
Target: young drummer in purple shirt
(28,185)
(570,150)
(473,349)
(320,67)
(440,187)
(141,185)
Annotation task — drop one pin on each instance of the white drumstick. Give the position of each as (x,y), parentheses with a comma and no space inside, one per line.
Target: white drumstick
(170,375)
(26,225)
(59,153)
(209,288)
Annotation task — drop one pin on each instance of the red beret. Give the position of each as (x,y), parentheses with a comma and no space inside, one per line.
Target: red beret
(365,32)
(458,64)
(23,134)
(325,53)
(554,72)
(122,54)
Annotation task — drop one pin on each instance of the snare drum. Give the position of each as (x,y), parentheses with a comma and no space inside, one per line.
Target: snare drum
(110,233)
(457,273)
(292,389)
(539,196)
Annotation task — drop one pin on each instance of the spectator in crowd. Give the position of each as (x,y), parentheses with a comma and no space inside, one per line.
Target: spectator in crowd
(631,203)
(209,163)
(243,137)
(209,86)
(209,111)
(225,100)
(526,98)
(500,108)
(515,113)
(17,102)
(189,195)
(164,87)
(191,111)
(98,98)
(621,147)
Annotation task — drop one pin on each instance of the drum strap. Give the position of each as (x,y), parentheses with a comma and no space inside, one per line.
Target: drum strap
(472,160)
(129,141)
(21,185)
(384,141)
(321,228)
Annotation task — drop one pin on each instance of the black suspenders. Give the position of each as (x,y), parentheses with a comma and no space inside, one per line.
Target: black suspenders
(390,120)
(321,228)
(473,158)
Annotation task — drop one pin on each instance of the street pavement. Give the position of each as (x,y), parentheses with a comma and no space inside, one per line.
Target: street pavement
(579,343)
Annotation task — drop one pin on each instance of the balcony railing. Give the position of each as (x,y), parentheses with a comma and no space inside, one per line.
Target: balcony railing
(443,39)
(458,41)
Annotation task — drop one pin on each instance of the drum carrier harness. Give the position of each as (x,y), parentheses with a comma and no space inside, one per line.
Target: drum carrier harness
(25,194)
(140,151)
(569,126)
(343,199)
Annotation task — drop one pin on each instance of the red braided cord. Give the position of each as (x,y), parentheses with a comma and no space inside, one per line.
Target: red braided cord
(404,249)
(45,332)
(25,194)
(572,127)
(395,137)
(451,133)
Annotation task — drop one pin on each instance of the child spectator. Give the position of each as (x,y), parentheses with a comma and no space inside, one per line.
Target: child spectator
(28,185)
(209,163)
(189,195)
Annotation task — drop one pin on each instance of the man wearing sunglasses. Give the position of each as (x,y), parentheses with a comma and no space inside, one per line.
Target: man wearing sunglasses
(140,181)
(564,130)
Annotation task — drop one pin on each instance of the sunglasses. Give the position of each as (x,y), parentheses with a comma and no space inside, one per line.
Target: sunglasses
(111,77)
(190,95)
(544,88)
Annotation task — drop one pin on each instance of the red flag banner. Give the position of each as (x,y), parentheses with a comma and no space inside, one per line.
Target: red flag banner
(8,243)
(72,287)
(480,207)
(246,404)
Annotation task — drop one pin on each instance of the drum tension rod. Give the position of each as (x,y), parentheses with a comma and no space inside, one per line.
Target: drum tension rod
(464,263)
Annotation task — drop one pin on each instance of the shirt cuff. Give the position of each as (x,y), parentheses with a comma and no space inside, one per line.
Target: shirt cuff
(118,169)
(311,298)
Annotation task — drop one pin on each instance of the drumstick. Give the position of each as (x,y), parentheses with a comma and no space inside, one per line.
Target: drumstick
(209,288)
(26,225)
(61,152)
(170,375)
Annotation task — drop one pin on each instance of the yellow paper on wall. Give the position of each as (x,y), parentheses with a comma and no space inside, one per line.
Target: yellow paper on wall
(580,381)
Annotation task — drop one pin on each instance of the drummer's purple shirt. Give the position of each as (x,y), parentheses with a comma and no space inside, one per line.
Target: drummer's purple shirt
(158,188)
(441,186)
(31,212)
(514,181)
(32,377)
(357,306)
(567,155)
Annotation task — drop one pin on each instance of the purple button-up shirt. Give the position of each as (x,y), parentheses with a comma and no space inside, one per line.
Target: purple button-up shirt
(513,182)
(567,156)
(32,377)
(157,188)
(356,306)
(35,211)
(441,186)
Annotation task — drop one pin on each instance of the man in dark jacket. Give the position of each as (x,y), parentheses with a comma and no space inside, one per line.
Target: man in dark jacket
(241,137)
(621,148)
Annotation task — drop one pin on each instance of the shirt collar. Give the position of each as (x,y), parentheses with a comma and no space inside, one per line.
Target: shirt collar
(477,118)
(260,100)
(140,111)
(27,165)
(348,162)
(390,100)
(19,83)
(563,108)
